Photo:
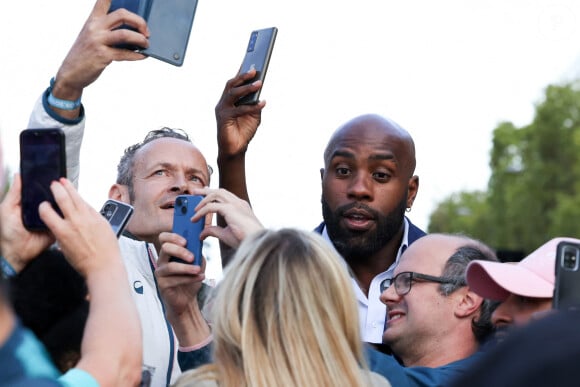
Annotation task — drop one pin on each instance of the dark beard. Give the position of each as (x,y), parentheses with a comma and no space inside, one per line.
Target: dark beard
(362,244)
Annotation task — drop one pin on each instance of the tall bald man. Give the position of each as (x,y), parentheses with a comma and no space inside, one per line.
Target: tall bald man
(368,182)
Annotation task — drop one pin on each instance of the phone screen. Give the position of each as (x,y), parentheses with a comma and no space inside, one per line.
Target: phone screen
(42,161)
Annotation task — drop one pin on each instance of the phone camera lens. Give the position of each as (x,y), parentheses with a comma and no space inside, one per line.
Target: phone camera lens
(182,203)
(570,259)
(108,211)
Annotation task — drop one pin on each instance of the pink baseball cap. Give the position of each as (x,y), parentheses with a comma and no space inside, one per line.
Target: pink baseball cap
(533,276)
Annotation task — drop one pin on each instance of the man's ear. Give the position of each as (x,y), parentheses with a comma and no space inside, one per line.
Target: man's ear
(119,192)
(412,189)
(468,302)
(321,173)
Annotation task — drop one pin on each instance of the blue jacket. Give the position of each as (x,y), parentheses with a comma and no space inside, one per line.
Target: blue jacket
(401,376)
(385,365)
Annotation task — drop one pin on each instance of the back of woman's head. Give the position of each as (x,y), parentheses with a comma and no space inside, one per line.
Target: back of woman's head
(285,314)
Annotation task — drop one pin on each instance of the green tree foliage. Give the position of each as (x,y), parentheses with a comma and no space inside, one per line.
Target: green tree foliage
(534,188)
(463,212)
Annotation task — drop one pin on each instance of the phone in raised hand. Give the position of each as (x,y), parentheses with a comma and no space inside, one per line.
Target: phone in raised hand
(257,57)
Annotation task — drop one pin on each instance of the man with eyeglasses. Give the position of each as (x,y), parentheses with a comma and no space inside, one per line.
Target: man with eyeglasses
(435,322)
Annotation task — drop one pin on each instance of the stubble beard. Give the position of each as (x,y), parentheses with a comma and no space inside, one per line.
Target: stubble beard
(362,244)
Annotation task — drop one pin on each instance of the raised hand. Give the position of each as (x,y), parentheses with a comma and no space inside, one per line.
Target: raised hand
(237,125)
(179,284)
(94,49)
(18,245)
(240,220)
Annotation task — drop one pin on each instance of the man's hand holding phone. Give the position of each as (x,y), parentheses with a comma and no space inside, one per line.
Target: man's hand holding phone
(18,245)
(84,236)
(237,125)
(240,221)
(238,112)
(94,49)
(257,57)
(179,285)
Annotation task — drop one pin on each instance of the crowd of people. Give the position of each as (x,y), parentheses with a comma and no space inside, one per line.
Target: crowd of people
(365,298)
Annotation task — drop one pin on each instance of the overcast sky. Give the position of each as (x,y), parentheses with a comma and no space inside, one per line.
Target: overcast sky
(447,71)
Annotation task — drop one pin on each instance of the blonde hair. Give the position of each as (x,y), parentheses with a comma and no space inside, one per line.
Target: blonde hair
(285,314)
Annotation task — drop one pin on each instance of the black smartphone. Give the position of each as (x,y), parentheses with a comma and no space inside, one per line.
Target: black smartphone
(567,287)
(169,23)
(42,161)
(257,57)
(118,215)
(184,210)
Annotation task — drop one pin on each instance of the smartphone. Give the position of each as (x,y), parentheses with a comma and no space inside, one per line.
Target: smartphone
(184,210)
(118,215)
(169,23)
(257,57)
(567,287)
(42,161)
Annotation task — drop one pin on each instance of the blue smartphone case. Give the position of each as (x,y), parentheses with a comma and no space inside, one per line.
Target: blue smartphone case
(184,209)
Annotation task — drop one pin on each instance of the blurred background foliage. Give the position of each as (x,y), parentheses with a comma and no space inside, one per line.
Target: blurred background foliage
(533,193)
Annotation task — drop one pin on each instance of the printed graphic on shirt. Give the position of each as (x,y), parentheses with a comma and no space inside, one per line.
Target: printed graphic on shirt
(138,287)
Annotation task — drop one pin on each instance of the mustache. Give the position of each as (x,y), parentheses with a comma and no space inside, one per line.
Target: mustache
(357,206)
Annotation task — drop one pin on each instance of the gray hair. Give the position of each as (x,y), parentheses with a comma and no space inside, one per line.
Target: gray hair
(125,167)
(454,270)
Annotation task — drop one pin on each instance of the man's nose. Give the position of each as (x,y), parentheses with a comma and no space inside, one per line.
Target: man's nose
(360,187)
(180,184)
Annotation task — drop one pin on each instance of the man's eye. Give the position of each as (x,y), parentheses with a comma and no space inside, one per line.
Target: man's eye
(159,172)
(525,300)
(194,178)
(342,171)
(381,176)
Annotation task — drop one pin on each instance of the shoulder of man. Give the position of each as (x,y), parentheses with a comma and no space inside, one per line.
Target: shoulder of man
(377,380)
(414,232)
(319,228)
(546,350)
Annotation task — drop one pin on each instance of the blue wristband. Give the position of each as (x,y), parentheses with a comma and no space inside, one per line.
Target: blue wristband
(7,269)
(62,104)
